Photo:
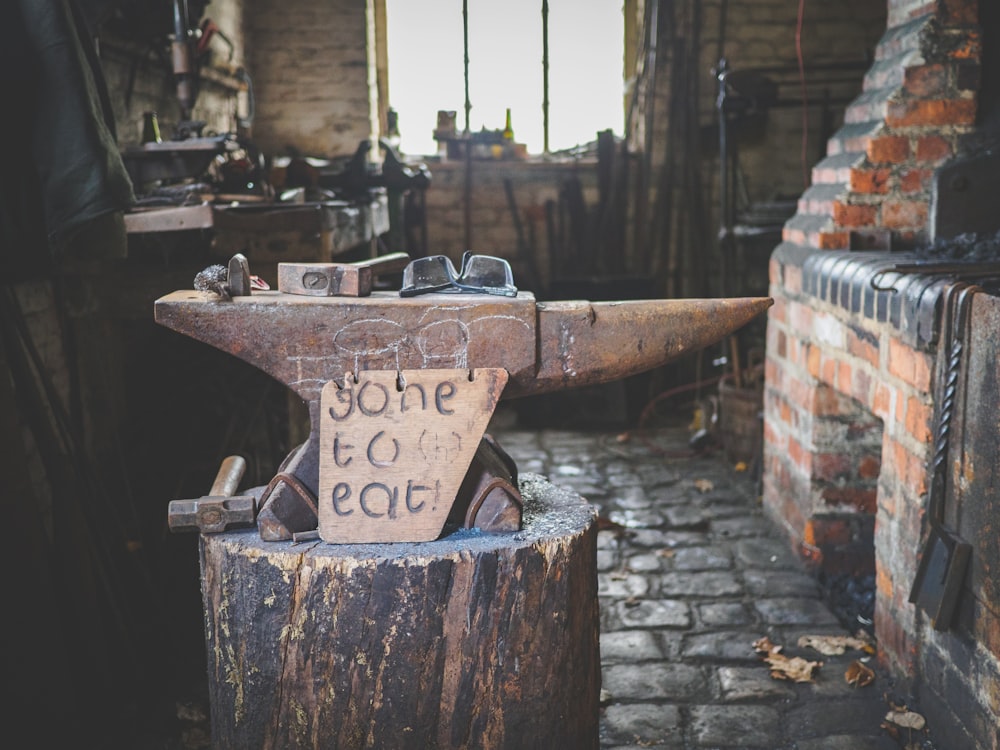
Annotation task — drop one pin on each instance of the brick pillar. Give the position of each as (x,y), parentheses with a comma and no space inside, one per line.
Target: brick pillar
(841,357)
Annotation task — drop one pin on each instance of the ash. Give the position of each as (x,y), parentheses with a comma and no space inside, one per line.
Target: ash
(852,599)
(970,247)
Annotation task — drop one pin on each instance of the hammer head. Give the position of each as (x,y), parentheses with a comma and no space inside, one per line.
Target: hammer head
(211,515)
(337,279)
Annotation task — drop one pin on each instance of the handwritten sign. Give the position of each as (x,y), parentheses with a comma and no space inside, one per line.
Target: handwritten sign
(394,448)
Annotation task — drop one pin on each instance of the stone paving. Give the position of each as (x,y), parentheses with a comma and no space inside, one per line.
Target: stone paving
(691,575)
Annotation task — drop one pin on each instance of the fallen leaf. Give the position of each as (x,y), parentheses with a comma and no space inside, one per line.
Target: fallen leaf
(793,668)
(833,645)
(906,719)
(763,645)
(704,485)
(667,553)
(859,675)
(740,466)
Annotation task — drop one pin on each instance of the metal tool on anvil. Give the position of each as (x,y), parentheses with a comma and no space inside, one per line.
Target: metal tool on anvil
(337,279)
(220,510)
(306,342)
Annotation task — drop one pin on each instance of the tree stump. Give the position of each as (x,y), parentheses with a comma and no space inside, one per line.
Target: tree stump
(472,641)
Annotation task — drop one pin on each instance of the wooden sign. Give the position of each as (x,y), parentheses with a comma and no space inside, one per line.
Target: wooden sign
(394,448)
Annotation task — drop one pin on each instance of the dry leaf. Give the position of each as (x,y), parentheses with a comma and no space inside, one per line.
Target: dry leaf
(763,645)
(704,485)
(833,645)
(794,668)
(783,667)
(740,466)
(906,719)
(666,552)
(859,675)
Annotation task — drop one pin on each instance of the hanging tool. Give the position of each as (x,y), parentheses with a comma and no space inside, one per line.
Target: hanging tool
(945,556)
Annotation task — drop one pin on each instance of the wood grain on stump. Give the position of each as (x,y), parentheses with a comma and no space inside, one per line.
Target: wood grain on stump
(472,641)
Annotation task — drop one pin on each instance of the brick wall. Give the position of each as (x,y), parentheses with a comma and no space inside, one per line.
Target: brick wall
(851,371)
(493,231)
(311,75)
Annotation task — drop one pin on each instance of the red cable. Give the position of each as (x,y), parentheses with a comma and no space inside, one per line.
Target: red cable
(805,100)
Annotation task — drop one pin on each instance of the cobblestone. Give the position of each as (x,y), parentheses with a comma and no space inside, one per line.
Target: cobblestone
(691,578)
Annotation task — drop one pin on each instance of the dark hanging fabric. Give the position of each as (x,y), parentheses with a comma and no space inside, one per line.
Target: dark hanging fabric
(63,172)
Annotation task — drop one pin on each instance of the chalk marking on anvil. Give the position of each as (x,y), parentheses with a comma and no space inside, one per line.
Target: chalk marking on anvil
(432,349)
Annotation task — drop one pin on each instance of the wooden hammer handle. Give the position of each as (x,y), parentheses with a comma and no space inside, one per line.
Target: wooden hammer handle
(229,476)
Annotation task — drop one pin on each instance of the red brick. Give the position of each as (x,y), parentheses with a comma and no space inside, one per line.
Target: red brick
(863,348)
(833,240)
(844,374)
(826,403)
(813,359)
(959,11)
(932,148)
(777,311)
(904,214)
(793,279)
(852,215)
(829,467)
(882,401)
(870,180)
(869,467)
(782,344)
(829,370)
(888,149)
(916,474)
(926,80)
(826,531)
(800,318)
(799,456)
(909,112)
(861,385)
(915,180)
(910,366)
(918,419)
(859,498)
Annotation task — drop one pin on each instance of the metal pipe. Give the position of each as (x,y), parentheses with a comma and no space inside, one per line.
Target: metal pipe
(465,30)
(545,76)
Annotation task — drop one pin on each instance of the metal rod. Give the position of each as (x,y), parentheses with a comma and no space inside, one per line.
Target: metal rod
(465,30)
(467,206)
(545,76)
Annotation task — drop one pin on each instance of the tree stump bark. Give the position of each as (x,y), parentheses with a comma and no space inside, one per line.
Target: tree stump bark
(473,641)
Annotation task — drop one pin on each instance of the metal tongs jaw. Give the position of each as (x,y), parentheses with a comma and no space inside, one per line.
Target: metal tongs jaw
(480,274)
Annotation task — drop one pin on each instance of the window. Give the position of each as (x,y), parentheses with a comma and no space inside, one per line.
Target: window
(426,69)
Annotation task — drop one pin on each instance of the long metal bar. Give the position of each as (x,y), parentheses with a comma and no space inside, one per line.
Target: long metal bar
(465,31)
(545,76)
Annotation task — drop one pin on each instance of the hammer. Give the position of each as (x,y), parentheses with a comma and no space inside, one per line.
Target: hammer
(337,279)
(219,510)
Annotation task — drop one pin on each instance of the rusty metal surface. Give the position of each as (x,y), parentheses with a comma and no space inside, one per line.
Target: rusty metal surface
(337,279)
(974,464)
(304,342)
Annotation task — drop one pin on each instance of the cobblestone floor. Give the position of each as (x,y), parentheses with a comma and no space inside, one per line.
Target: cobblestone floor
(691,575)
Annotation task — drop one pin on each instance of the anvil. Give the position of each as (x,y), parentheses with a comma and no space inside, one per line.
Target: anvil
(305,342)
